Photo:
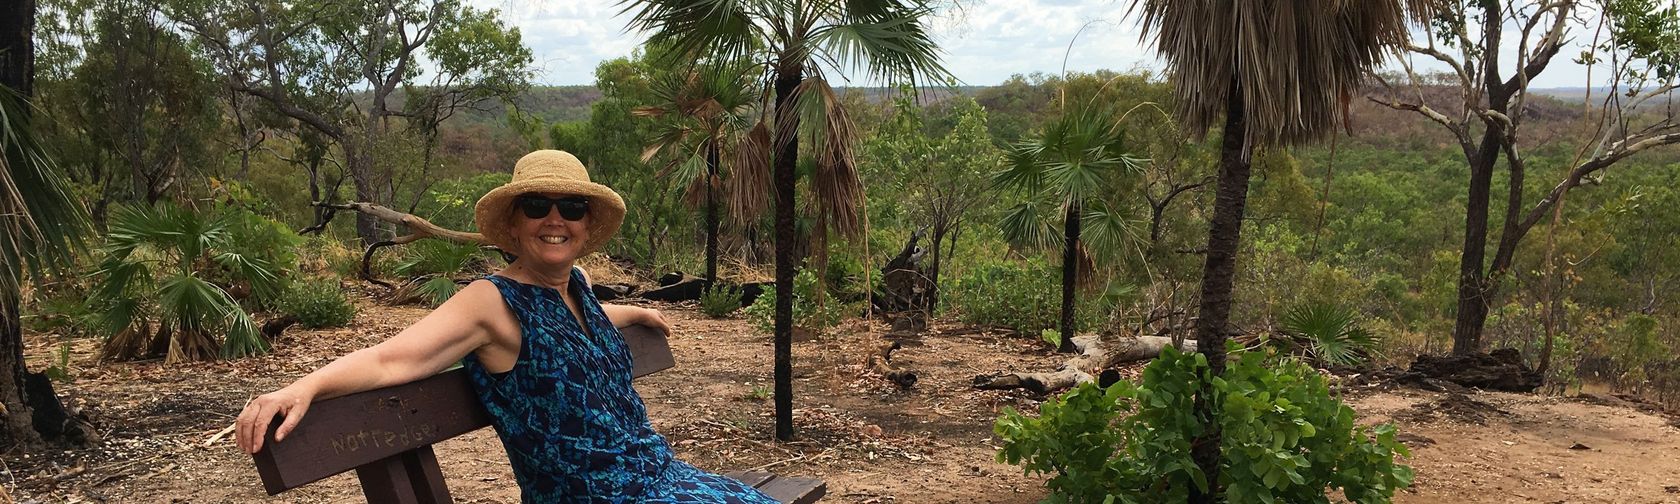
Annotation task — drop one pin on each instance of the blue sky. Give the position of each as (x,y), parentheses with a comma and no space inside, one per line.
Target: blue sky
(984,42)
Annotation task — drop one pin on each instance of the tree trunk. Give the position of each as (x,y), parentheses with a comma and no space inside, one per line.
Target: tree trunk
(1070,274)
(367,190)
(711,213)
(1218,272)
(787,153)
(1095,354)
(20,430)
(17,71)
(1472,279)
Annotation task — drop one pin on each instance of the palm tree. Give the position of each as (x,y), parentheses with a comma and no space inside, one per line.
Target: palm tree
(886,38)
(1280,72)
(705,112)
(41,227)
(1071,163)
(159,268)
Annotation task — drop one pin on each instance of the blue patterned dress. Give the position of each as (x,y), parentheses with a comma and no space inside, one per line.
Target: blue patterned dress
(573,428)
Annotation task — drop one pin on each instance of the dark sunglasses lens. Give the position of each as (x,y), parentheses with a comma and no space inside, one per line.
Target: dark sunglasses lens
(534,208)
(573,209)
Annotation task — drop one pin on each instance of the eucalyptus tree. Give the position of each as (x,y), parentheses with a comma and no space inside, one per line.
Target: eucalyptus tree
(706,116)
(1634,39)
(886,38)
(1278,73)
(336,66)
(1071,165)
(139,98)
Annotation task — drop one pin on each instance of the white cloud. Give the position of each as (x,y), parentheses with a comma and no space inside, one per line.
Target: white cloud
(983,42)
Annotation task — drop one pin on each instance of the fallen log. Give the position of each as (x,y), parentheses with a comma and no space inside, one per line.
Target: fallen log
(881,362)
(1094,355)
(1501,369)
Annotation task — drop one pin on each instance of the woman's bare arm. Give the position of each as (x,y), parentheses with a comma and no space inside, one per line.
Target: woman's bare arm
(448,333)
(624,315)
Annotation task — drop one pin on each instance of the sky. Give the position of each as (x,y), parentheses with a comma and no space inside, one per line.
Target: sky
(983,43)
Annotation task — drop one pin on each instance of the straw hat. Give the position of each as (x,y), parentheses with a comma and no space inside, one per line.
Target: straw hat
(549,171)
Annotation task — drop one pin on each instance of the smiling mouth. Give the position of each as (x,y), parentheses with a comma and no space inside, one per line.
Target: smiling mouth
(556,240)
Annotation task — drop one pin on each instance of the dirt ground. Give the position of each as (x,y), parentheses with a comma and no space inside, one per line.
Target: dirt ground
(871,442)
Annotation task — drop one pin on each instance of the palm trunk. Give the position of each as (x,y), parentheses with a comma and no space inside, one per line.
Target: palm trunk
(787,153)
(711,213)
(1070,274)
(1218,272)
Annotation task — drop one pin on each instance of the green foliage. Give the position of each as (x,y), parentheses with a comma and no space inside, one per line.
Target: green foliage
(41,225)
(1285,438)
(1025,296)
(807,313)
(718,301)
(162,263)
(438,257)
(1332,332)
(59,369)
(317,303)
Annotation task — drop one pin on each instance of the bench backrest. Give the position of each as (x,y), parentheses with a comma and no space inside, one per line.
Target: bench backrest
(386,434)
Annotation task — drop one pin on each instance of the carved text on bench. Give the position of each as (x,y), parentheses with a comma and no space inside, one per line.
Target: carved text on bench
(414,435)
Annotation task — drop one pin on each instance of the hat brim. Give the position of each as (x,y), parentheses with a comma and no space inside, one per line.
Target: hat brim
(606,210)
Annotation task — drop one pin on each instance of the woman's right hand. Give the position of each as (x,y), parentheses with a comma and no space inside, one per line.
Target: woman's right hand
(253,421)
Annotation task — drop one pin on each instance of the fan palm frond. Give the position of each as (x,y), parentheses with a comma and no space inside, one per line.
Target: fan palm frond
(829,129)
(749,181)
(1332,333)
(1297,63)
(1032,224)
(41,224)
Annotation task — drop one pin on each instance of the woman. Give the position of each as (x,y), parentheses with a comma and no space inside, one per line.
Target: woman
(545,356)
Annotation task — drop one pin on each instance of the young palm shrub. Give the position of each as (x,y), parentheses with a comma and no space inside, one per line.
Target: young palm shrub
(432,266)
(1069,167)
(155,292)
(1331,334)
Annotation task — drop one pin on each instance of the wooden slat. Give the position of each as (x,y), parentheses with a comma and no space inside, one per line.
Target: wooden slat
(650,352)
(343,433)
(795,490)
(752,479)
(346,432)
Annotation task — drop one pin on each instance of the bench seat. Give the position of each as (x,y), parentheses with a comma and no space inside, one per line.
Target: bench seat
(386,436)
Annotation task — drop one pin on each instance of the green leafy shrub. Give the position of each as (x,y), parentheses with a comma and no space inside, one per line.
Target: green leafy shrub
(1025,296)
(317,303)
(807,314)
(1332,334)
(718,301)
(1285,438)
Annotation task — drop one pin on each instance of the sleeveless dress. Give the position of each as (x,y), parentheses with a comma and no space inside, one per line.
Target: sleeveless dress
(573,428)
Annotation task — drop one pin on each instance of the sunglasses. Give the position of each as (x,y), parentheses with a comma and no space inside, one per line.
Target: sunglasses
(572,208)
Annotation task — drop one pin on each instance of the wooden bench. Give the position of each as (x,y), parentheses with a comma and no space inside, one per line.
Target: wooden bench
(386,435)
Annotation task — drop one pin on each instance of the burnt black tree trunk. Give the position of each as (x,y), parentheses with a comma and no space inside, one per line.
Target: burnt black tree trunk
(32,411)
(1224,235)
(1070,273)
(711,212)
(17,20)
(786,154)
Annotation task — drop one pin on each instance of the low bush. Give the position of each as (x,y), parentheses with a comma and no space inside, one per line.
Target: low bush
(807,313)
(1285,439)
(718,301)
(1024,295)
(317,304)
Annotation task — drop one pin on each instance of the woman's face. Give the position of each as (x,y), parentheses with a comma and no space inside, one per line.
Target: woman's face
(550,239)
